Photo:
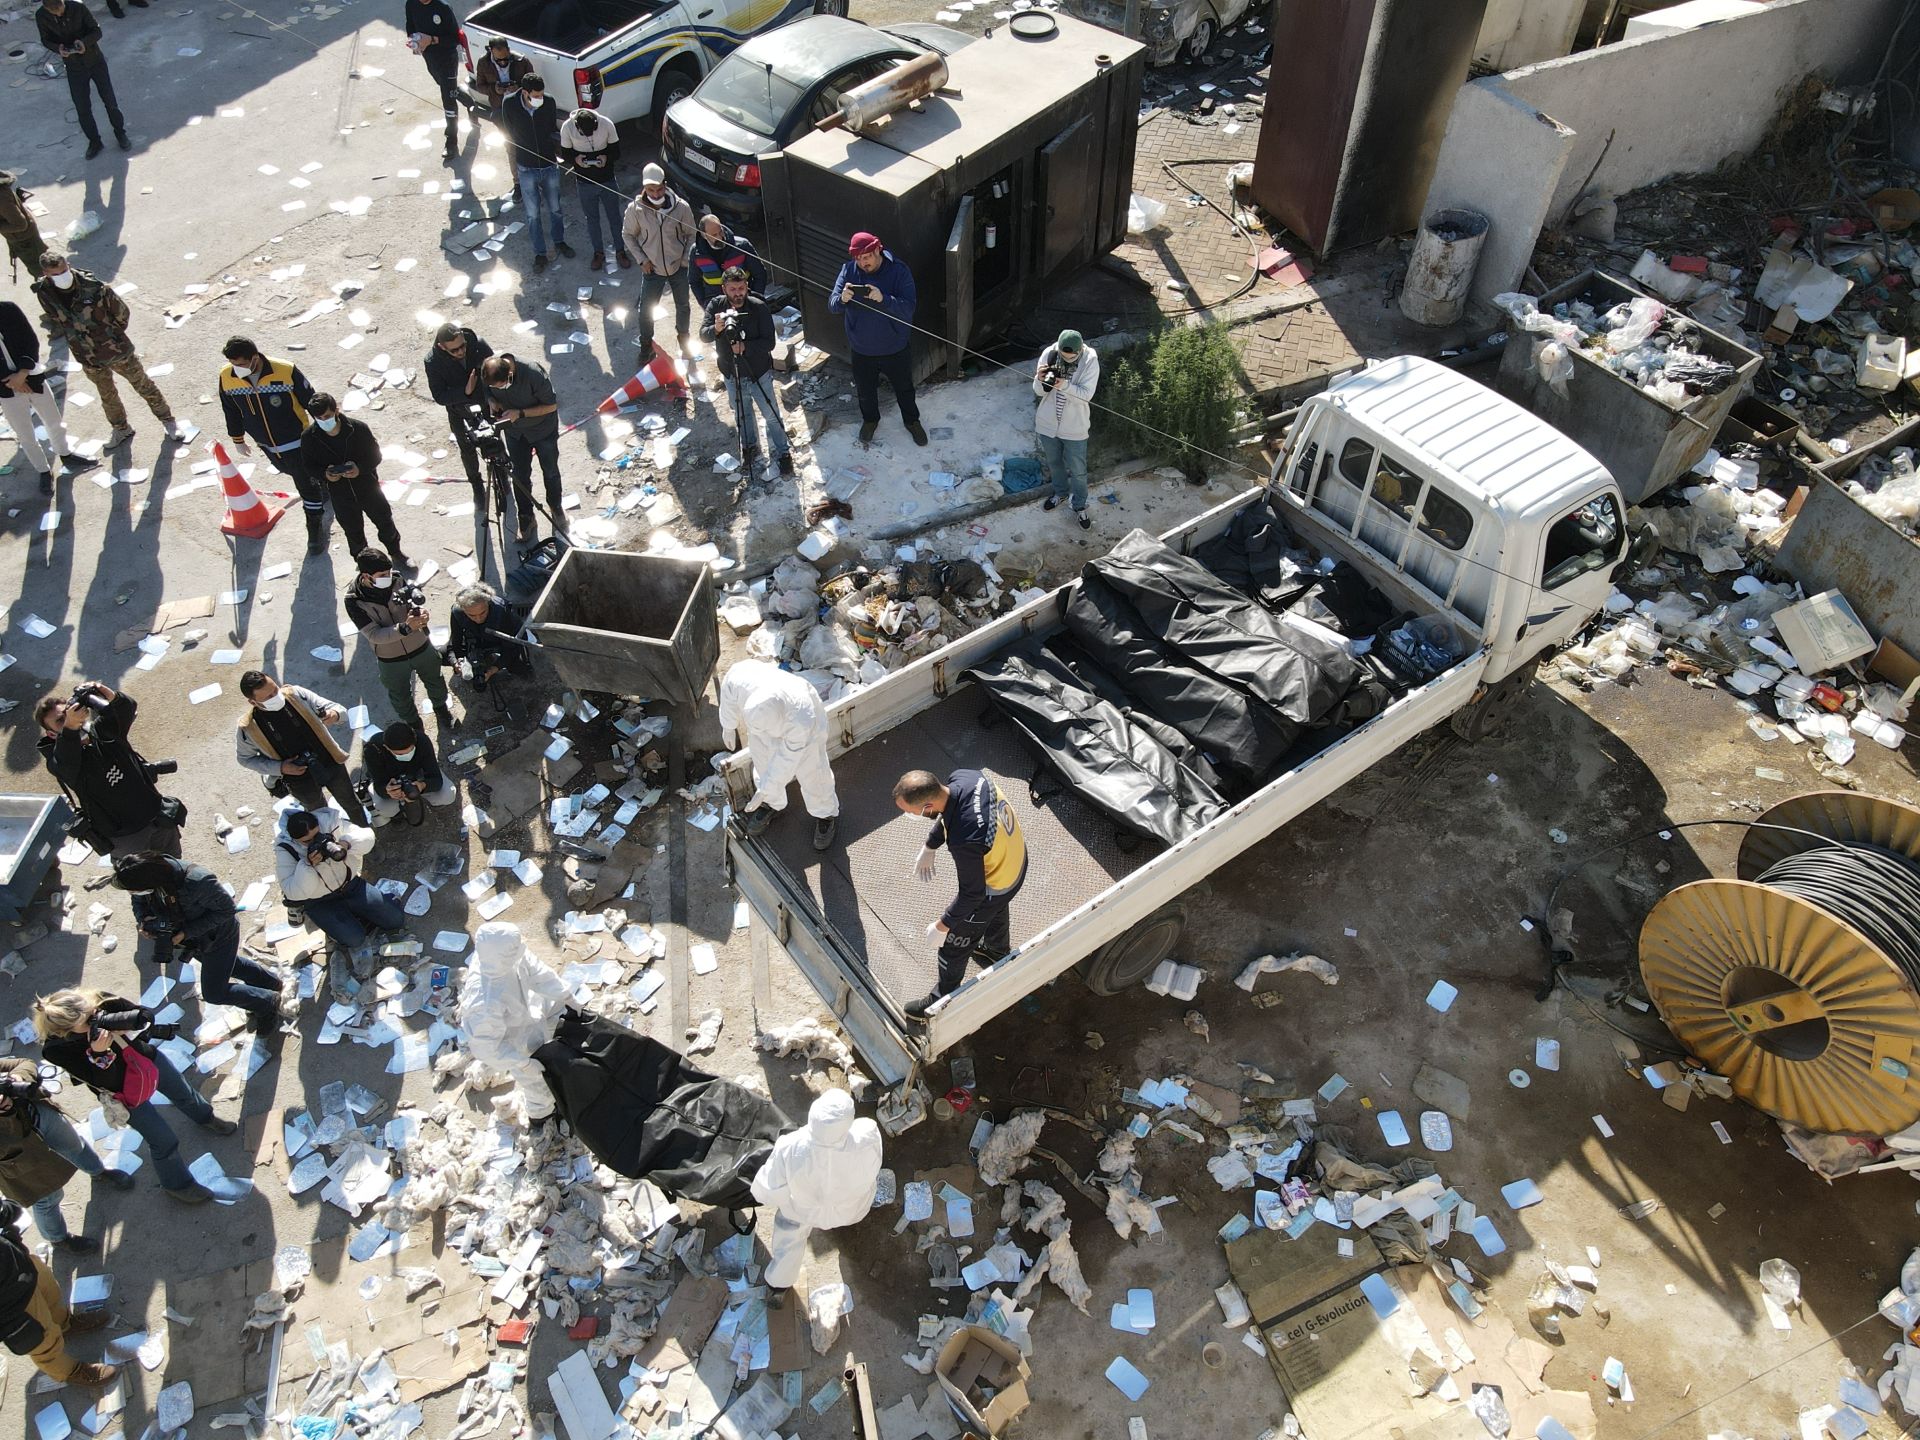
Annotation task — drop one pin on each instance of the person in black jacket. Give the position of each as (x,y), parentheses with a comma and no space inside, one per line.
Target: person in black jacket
(107,1044)
(532,126)
(34,1318)
(84,743)
(453,379)
(402,768)
(483,636)
(69,31)
(341,452)
(186,914)
(24,394)
(434,35)
(741,328)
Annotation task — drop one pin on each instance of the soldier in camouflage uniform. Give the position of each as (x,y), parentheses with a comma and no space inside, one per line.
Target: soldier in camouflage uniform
(92,319)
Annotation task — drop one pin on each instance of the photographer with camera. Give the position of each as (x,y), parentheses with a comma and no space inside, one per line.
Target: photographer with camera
(317,858)
(342,453)
(484,636)
(522,400)
(108,1044)
(34,1318)
(84,742)
(283,737)
(453,379)
(1064,379)
(40,1152)
(392,615)
(740,325)
(402,769)
(186,914)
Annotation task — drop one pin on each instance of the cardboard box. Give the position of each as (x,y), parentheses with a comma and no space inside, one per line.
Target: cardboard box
(1823,633)
(984,1378)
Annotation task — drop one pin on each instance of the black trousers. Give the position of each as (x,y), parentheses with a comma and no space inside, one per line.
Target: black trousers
(313,493)
(447,78)
(330,777)
(469,453)
(355,502)
(984,936)
(898,368)
(96,77)
(520,453)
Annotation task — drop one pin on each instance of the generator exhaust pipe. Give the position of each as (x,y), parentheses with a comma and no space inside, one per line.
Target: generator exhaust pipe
(881,96)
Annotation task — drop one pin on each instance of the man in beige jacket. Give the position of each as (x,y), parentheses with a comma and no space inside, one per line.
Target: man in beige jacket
(659,231)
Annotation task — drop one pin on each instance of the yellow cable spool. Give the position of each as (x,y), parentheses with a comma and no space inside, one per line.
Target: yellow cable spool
(1805,1011)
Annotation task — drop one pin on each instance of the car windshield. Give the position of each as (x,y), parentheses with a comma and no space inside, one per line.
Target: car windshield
(748,94)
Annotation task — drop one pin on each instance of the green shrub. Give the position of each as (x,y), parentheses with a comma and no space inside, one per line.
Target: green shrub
(1179,391)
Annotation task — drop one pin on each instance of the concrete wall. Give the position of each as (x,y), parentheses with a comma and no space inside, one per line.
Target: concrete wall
(1673,105)
(1523,32)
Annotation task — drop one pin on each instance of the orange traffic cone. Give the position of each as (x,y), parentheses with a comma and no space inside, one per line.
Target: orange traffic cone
(248,516)
(659,373)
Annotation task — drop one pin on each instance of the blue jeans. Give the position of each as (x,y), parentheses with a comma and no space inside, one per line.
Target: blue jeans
(1065,462)
(540,193)
(350,911)
(600,201)
(759,396)
(163,1147)
(65,1141)
(47,1218)
(650,288)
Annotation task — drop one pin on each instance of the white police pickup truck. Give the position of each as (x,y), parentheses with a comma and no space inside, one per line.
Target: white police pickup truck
(627,59)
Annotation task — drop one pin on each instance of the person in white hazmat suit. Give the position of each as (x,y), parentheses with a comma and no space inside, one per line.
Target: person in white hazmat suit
(784,724)
(510,1003)
(818,1178)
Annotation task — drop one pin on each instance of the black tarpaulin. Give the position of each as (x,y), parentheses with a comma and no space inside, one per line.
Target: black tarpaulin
(1102,752)
(1239,681)
(643,1111)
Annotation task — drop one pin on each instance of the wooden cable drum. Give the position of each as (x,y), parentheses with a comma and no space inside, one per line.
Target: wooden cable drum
(1800,980)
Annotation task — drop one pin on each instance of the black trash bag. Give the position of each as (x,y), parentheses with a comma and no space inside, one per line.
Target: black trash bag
(1106,759)
(1239,681)
(1258,555)
(642,1110)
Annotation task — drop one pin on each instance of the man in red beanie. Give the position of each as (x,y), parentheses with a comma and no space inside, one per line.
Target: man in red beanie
(874,294)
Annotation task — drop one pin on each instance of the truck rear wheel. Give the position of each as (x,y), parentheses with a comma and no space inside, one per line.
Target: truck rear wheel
(1488,715)
(1129,959)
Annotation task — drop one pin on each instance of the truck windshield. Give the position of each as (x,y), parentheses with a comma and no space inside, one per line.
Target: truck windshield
(751,95)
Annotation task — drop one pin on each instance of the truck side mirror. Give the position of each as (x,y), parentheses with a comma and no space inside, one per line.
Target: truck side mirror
(1646,544)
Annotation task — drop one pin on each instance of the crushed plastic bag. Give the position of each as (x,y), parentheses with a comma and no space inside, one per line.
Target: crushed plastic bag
(1632,323)
(1781,1281)
(1144,214)
(1322,970)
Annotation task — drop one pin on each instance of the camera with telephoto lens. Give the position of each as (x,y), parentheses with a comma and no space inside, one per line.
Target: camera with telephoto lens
(324,847)
(132,1025)
(156,768)
(17,1087)
(87,693)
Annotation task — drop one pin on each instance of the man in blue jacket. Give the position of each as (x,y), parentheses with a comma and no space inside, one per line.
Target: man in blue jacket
(874,294)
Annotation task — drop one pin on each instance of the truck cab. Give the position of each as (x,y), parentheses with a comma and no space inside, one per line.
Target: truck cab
(1486,535)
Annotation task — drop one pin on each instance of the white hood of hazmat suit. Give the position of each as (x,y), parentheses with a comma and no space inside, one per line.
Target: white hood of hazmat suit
(510,1003)
(823,1175)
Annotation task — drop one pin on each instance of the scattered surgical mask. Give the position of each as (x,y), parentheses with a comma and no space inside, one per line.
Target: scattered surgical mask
(275,701)
(403,756)
(328,423)
(383,582)
(63,280)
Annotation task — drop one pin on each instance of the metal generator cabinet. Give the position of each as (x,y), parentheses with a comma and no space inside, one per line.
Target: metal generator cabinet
(1015,175)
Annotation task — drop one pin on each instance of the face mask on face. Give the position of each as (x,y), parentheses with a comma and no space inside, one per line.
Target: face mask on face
(383,582)
(243,369)
(62,281)
(275,701)
(328,423)
(403,756)
(534,102)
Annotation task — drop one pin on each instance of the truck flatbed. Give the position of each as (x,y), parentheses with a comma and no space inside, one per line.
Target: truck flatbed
(864,887)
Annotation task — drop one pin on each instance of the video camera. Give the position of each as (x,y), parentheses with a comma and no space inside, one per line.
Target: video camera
(484,431)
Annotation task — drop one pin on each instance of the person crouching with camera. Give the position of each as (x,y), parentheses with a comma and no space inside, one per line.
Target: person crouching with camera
(109,1045)
(284,737)
(318,857)
(483,636)
(392,614)
(187,914)
(40,1152)
(403,773)
(84,742)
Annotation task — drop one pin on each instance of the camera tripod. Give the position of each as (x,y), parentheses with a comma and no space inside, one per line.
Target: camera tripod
(740,416)
(499,500)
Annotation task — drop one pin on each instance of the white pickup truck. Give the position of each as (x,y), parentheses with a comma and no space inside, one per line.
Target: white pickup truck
(628,59)
(1470,522)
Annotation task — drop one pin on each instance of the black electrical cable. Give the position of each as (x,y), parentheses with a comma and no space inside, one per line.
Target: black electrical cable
(1875,891)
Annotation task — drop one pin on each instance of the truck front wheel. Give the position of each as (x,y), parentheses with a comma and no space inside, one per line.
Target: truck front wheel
(1128,959)
(1489,715)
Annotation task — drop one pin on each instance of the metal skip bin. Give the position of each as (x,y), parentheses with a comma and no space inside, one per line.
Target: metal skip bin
(626,624)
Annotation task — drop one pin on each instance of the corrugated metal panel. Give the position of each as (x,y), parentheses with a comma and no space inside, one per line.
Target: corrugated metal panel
(1481,438)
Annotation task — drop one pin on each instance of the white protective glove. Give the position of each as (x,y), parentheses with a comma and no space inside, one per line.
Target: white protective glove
(923,867)
(933,930)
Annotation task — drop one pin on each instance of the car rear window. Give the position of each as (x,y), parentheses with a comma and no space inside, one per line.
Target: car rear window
(748,94)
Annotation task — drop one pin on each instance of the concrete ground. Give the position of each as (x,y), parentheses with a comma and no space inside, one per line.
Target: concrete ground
(1427,862)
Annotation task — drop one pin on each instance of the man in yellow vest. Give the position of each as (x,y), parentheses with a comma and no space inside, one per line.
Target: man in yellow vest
(284,737)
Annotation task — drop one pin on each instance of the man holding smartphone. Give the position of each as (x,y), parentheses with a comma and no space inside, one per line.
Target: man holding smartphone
(874,293)
(342,453)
